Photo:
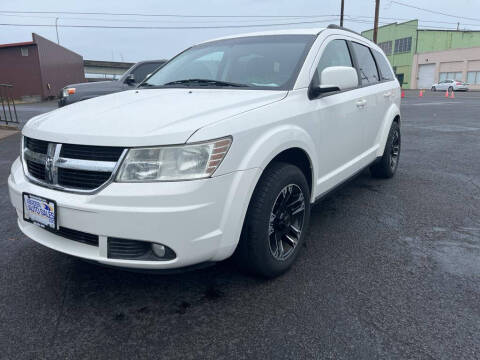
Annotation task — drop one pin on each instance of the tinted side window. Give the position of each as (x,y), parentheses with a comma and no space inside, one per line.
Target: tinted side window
(335,54)
(143,70)
(367,68)
(383,66)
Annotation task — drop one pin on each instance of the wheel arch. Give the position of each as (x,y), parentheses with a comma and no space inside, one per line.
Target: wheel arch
(392,115)
(290,144)
(299,158)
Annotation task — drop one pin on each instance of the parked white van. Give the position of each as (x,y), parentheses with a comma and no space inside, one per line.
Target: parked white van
(220,152)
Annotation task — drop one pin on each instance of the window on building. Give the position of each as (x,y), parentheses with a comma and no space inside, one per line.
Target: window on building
(367,67)
(473,77)
(403,45)
(383,66)
(24,51)
(450,76)
(386,46)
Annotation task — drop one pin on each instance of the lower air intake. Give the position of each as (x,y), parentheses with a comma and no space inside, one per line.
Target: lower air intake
(125,249)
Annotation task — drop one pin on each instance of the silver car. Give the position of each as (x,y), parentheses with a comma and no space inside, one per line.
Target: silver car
(450,85)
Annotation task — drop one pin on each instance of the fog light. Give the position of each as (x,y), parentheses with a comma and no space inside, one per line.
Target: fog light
(159,250)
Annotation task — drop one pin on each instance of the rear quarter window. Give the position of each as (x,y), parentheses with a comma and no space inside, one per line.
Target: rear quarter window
(366,64)
(384,68)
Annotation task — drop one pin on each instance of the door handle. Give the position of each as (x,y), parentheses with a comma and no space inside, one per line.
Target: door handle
(361,103)
(387,94)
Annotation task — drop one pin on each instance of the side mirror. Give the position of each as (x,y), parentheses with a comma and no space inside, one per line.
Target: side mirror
(335,78)
(130,79)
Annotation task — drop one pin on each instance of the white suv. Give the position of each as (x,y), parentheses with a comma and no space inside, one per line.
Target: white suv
(221,152)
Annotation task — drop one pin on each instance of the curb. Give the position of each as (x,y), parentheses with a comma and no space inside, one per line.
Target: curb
(9,127)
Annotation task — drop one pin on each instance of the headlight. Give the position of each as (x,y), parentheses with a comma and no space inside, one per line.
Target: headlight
(173,163)
(68,91)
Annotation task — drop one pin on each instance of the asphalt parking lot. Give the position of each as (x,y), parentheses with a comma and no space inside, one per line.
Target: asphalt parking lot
(391,269)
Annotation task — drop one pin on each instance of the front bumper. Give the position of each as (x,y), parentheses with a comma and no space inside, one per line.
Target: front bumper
(200,220)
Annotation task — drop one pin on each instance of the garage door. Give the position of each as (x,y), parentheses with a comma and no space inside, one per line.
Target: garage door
(426,76)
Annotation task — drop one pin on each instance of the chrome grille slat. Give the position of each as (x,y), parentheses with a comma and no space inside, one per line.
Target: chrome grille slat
(88,165)
(56,166)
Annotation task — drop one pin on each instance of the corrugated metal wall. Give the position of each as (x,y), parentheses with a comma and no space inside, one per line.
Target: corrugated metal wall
(58,65)
(21,71)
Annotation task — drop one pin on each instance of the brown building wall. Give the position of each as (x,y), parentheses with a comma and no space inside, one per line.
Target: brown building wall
(58,65)
(23,72)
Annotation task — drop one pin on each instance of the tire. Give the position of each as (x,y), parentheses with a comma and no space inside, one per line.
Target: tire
(386,167)
(434,88)
(270,227)
(450,89)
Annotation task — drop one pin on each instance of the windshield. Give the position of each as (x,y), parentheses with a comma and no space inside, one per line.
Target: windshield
(258,62)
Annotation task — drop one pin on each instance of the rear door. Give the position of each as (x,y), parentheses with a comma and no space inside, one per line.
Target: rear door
(387,88)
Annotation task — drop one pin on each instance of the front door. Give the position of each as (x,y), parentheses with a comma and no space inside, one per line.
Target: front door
(338,121)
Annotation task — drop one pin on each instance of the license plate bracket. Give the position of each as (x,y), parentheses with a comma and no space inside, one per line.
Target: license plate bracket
(40,211)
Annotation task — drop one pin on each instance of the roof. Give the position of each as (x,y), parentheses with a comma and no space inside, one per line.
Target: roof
(26,43)
(310,31)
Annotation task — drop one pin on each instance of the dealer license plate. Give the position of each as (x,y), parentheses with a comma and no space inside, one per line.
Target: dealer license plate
(40,211)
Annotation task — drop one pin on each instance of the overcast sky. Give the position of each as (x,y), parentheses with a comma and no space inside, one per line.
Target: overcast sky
(141,44)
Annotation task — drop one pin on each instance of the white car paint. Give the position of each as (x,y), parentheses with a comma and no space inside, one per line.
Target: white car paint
(202,219)
(450,84)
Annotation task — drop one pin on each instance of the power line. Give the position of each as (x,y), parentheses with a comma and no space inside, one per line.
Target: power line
(200,27)
(159,15)
(434,11)
(167,27)
(222,21)
(152,21)
(419,20)
(407,26)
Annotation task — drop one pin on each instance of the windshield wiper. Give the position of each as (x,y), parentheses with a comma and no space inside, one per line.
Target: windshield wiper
(205,82)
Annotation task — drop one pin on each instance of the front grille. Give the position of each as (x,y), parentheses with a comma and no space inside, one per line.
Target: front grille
(38,146)
(36,170)
(81,168)
(76,235)
(81,179)
(86,152)
(127,249)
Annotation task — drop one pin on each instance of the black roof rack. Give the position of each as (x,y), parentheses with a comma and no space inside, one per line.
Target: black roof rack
(333,26)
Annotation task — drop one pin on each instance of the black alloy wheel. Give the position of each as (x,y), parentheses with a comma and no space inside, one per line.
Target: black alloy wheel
(276,221)
(286,221)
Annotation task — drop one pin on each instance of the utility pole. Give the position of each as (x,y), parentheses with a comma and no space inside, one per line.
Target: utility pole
(341,13)
(56,28)
(375,25)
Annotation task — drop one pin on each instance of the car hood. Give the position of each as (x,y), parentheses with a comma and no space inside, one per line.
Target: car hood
(96,87)
(145,117)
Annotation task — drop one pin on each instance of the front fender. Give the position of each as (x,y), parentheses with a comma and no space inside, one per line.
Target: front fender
(391,114)
(276,140)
